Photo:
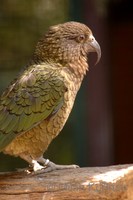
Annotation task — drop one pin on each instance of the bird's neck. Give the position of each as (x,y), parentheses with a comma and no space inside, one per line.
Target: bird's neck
(76,68)
(79,68)
(74,74)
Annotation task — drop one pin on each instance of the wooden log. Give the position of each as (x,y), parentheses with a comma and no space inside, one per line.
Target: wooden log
(102,183)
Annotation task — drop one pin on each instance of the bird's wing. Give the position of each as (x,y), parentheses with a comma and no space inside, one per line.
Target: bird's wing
(35,96)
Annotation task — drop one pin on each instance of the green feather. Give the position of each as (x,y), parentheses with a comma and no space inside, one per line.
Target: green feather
(5,140)
(30,104)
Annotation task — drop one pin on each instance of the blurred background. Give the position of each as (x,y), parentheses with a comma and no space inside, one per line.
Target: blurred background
(99,131)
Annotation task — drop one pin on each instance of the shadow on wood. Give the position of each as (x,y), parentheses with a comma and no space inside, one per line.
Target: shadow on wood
(102,183)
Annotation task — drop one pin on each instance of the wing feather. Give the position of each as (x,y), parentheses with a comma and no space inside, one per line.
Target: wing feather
(35,96)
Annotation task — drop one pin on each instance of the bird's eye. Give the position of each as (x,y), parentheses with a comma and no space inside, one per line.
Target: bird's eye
(81,38)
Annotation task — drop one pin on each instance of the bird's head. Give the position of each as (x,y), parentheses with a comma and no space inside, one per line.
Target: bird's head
(67,43)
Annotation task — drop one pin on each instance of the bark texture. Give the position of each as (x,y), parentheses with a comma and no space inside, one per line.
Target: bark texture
(102,183)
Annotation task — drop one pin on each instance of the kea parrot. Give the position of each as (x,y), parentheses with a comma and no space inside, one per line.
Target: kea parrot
(37,104)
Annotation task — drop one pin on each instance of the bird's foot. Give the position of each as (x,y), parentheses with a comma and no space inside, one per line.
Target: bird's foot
(48,166)
(34,168)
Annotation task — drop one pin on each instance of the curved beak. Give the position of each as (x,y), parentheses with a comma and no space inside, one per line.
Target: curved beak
(95,47)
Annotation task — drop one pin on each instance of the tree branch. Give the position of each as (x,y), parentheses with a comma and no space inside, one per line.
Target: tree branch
(102,183)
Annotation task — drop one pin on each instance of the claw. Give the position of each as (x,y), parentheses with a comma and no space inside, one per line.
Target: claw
(47,166)
(52,166)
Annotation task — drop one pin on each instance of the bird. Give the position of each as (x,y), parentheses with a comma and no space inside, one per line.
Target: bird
(36,105)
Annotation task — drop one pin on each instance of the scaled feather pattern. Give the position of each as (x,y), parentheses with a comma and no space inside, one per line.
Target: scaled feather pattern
(35,106)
